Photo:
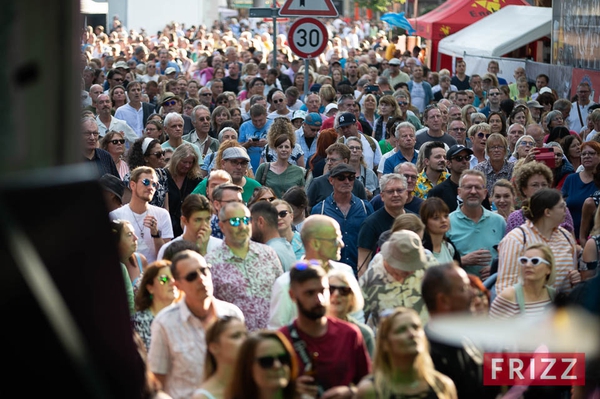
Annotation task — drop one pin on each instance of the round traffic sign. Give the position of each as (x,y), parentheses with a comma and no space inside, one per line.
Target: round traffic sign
(308,37)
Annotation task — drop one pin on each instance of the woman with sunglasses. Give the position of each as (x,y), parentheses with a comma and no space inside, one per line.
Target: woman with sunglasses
(156,291)
(114,143)
(545,211)
(147,151)
(266,368)
(345,298)
(478,133)
(224,339)
(534,292)
(285,227)
(402,366)
(280,174)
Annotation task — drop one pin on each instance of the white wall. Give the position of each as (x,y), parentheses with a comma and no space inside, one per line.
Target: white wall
(153,15)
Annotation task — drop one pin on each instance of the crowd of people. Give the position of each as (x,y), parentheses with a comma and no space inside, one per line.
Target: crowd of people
(277,243)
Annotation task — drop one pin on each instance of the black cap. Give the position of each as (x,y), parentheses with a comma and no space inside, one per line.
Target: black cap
(455,149)
(116,186)
(346,119)
(341,168)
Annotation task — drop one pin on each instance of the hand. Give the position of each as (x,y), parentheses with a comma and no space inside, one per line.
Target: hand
(339,392)
(531,155)
(151,223)
(261,143)
(477,258)
(484,273)
(203,237)
(305,386)
(574,277)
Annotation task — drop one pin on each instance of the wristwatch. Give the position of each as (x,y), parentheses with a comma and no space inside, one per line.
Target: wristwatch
(158,234)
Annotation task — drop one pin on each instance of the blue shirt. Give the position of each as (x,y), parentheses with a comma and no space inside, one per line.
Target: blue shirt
(576,192)
(396,160)
(469,236)
(248,131)
(349,224)
(308,152)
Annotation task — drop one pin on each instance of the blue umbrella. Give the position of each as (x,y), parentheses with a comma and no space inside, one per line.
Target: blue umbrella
(399,20)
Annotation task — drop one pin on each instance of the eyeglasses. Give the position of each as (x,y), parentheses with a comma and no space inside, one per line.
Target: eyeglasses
(163,279)
(331,160)
(115,142)
(526,144)
(159,154)
(481,135)
(393,191)
(148,182)
(282,214)
(469,188)
(402,103)
(588,154)
(278,101)
(493,94)
(237,163)
(87,134)
(343,291)
(536,260)
(170,103)
(267,362)
(223,102)
(235,222)
(118,79)
(460,158)
(344,177)
(410,177)
(558,155)
(353,148)
(459,129)
(203,119)
(192,276)
(206,94)
(497,147)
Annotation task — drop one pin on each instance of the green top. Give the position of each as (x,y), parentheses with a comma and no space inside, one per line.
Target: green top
(292,176)
(249,187)
(128,288)
(385,146)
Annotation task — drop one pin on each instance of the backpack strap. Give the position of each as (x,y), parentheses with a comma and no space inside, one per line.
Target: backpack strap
(263,178)
(520,297)
(524,237)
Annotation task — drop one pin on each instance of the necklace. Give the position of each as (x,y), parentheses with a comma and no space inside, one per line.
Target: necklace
(138,223)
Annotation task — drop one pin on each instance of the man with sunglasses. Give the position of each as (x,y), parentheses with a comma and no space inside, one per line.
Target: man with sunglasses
(106,122)
(457,159)
(199,135)
(150,223)
(265,218)
(493,96)
(178,345)
(347,209)
(243,270)
(343,359)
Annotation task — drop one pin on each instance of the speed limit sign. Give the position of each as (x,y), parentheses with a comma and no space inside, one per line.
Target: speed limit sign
(308,37)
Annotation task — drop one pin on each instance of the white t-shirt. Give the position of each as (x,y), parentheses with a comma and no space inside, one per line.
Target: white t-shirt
(213,242)
(418,96)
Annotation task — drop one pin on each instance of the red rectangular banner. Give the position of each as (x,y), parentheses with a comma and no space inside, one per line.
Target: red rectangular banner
(534,369)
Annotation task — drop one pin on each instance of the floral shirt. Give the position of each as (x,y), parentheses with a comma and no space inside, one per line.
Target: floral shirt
(247,282)
(214,225)
(141,323)
(424,184)
(491,176)
(382,292)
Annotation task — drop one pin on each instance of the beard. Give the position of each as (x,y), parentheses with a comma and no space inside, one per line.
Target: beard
(257,236)
(314,314)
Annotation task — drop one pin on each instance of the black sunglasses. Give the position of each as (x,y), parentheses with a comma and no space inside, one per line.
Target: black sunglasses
(344,291)
(115,142)
(192,276)
(267,362)
(344,177)
(282,214)
(159,154)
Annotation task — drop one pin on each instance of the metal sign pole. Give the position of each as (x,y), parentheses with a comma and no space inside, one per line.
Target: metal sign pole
(274,6)
(305,78)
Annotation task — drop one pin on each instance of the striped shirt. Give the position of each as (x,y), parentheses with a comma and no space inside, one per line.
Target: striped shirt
(512,247)
(503,308)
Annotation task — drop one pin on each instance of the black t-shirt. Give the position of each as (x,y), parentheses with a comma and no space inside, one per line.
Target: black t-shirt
(448,192)
(230,84)
(372,227)
(460,84)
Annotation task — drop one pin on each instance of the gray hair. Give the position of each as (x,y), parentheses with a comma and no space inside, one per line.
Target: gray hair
(196,108)
(170,116)
(410,164)
(477,115)
(515,154)
(222,132)
(407,125)
(385,179)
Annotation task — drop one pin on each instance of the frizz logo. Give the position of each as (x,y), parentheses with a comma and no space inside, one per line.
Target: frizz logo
(546,369)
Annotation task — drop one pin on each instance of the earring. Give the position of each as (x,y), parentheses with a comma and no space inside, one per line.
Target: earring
(151,296)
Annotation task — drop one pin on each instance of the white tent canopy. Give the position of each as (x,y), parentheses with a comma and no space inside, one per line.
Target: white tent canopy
(499,33)
(92,7)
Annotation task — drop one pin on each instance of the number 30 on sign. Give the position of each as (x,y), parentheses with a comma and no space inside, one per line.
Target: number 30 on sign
(308,37)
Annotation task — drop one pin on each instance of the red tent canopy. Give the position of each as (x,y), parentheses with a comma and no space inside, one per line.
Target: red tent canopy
(454,15)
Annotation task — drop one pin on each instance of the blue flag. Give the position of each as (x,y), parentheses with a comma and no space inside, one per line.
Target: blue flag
(399,20)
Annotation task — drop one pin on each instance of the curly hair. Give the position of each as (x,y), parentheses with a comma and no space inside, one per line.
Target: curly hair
(136,157)
(524,173)
(280,131)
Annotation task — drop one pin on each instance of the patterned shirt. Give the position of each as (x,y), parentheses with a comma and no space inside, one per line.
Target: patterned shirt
(491,176)
(424,184)
(247,282)
(141,323)
(382,292)
(214,225)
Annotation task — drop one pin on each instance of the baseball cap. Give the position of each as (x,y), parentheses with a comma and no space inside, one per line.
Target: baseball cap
(545,89)
(120,64)
(487,76)
(170,70)
(235,153)
(341,168)
(394,61)
(315,88)
(404,251)
(116,186)
(346,119)
(455,149)
(336,62)
(313,119)
(534,104)
(299,114)
(329,107)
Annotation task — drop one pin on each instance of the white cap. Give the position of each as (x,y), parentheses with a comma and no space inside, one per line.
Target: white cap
(329,107)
